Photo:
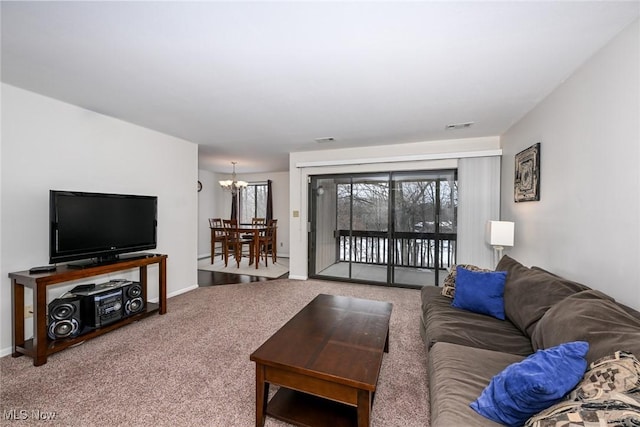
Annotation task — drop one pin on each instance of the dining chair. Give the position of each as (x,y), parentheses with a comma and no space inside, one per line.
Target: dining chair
(232,241)
(267,242)
(254,221)
(217,238)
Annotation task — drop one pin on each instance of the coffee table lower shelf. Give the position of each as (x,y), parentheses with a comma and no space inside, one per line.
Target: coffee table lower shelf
(306,410)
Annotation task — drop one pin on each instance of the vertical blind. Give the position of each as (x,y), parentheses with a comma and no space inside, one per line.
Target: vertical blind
(478,202)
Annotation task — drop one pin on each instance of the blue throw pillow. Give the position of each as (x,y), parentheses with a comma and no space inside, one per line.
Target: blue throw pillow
(480,291)
(525,388)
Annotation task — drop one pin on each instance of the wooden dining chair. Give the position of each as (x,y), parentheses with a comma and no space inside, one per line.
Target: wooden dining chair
(232,241)
(267,242)
(217,238)
(254,221)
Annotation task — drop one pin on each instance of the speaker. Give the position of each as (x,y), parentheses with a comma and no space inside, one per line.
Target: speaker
(133,298)
(64,317)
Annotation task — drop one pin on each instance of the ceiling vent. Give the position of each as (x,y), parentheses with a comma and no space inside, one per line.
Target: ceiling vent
(453,126)
(325,139)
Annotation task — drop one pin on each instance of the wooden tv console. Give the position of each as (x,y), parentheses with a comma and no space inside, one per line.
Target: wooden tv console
(40,346)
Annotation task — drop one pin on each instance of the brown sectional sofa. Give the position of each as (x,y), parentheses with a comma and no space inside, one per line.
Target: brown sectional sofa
(465,349)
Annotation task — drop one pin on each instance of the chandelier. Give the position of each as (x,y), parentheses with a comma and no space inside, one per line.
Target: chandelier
(233,185)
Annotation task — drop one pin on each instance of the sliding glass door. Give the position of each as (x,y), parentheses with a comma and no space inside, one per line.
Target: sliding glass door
(386,228)
(349,227)
(424,226)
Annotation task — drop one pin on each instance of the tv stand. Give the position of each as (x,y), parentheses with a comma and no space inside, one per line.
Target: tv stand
(40,346)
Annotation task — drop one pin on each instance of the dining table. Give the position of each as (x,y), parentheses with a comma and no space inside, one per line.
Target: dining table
(217,235)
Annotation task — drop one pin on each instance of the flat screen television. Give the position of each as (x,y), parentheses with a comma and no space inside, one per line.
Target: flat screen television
(98,227)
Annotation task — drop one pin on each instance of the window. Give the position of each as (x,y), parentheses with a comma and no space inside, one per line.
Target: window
(253,202)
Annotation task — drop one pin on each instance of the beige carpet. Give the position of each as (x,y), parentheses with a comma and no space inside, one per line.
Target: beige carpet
(191,366)
(272,271)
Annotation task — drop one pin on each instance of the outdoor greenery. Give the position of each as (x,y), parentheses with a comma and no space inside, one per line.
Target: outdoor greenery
(414,210)
(253,202)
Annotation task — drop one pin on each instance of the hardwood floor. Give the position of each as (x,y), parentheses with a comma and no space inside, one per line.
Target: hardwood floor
(214,278)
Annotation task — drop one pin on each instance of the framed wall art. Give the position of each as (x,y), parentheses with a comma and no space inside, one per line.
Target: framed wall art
(526,186)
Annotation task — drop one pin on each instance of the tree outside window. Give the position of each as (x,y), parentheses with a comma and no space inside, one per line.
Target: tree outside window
(253,202)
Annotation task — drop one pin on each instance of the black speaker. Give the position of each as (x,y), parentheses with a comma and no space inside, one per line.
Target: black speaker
(133,298)
(64,317)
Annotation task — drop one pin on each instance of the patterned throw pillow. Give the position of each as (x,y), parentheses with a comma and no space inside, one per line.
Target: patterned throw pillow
(608,395)
(619,372)
(619,410)
(449,284)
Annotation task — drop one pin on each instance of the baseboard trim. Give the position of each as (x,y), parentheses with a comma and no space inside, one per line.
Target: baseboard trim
(175,293)
(6,351)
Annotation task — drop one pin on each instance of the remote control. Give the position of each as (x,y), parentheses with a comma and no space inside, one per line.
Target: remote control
(42,269)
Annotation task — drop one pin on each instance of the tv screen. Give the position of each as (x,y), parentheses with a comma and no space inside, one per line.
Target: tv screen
(101,226)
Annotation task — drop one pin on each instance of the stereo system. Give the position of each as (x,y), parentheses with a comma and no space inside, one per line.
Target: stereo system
(94,306)
(101,309)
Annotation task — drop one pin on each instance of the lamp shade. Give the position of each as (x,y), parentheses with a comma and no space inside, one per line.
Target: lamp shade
(500,233)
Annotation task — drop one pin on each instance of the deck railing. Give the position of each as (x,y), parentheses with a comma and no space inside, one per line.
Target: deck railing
(411,249)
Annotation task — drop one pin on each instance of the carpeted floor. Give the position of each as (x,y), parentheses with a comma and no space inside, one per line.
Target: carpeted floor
(191,366)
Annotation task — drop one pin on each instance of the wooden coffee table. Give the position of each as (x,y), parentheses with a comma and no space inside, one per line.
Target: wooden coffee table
(326,360)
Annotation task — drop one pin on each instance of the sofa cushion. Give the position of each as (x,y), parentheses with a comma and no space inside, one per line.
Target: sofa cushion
(443,323)
(449,284)
(525,388)
(457,376)
(587,316)
(480,292)
(579,287)
(529,293)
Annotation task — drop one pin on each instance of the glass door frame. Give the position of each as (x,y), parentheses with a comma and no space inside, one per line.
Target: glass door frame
(391,178)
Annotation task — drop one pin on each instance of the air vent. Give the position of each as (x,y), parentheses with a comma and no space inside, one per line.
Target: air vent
(453,126)
(325,139)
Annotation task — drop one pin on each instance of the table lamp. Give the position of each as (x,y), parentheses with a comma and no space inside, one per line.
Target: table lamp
(499,235)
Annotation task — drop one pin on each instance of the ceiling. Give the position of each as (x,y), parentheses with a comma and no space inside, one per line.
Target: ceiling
(252,81)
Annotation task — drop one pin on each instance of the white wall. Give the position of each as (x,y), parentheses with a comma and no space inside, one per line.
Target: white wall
(586,226)
(48,144)
(213,202)
(369,159)
(207,208)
